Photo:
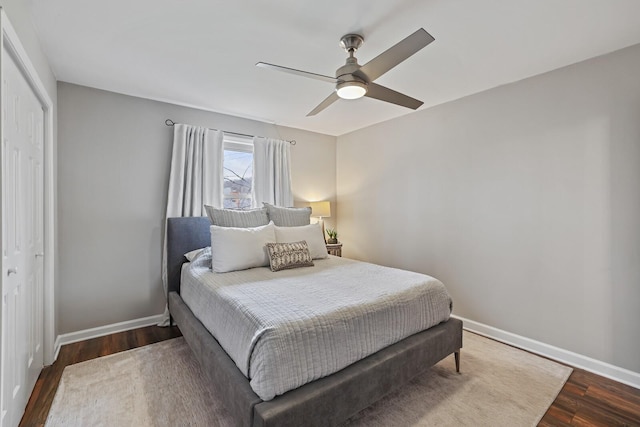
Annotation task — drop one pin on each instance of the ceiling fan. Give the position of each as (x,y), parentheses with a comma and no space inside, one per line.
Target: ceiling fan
(354,81)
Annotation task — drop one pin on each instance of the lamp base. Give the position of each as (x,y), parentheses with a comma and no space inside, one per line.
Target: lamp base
(324,235)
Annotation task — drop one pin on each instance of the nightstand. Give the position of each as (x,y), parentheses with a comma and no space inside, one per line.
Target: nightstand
(334,249)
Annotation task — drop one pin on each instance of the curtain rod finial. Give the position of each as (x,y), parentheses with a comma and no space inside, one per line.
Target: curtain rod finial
(169,122)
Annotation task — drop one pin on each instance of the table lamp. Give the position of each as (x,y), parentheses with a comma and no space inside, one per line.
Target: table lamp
(321,210)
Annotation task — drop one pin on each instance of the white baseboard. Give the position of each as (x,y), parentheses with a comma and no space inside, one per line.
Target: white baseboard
(101,331)
(604,369)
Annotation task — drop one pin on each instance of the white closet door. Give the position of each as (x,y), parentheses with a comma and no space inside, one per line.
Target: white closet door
(22,241)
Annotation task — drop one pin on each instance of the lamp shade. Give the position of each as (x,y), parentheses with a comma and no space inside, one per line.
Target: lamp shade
(320,209)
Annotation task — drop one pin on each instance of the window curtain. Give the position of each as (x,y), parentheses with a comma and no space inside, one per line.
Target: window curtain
(271,172)
(196,179)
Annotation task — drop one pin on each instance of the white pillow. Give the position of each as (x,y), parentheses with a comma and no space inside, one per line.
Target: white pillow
(190,256)
(240,248)
(312,233)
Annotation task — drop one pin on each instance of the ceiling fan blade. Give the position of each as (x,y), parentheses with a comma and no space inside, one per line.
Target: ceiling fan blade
(389,95)
(324,104)
(394,55)
(298,72)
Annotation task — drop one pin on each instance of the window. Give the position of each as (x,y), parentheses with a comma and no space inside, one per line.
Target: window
(238,172)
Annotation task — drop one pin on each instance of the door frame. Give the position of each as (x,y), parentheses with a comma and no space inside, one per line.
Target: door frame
(10,41)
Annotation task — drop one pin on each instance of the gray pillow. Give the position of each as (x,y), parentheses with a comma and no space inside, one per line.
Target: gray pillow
(288,217)
(237,218)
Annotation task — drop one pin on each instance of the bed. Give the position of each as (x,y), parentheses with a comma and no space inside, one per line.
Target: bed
(328,400)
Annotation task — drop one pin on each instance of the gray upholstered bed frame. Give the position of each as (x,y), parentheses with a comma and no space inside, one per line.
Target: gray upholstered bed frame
(324,402)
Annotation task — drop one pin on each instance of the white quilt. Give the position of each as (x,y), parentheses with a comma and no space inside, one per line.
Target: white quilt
(287,328)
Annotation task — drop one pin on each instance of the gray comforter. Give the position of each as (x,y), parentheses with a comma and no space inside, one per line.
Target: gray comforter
(284,329)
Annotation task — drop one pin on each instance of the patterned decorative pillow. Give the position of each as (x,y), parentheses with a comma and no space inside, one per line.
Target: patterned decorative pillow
(289,255)
(237,218)
(288,217)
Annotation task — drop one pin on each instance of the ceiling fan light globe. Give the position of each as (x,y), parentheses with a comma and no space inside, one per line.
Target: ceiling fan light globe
(351,90)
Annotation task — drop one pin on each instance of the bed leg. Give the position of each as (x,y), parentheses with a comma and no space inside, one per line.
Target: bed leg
(457,356)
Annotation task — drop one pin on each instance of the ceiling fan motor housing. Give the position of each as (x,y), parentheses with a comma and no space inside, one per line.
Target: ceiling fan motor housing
(350,86)
(346,73)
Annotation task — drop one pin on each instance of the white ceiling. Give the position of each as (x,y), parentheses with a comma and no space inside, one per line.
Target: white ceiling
(201,53)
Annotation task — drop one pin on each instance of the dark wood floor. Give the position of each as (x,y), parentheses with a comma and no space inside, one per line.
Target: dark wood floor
(591,400)
(585,400)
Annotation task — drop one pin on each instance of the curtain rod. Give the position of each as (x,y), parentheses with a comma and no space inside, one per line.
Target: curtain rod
(170,122)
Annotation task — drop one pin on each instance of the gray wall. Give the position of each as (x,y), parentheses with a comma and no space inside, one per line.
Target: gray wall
(524,200)
(114,155)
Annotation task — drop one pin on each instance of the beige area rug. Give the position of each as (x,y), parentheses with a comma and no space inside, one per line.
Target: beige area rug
(162,385)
